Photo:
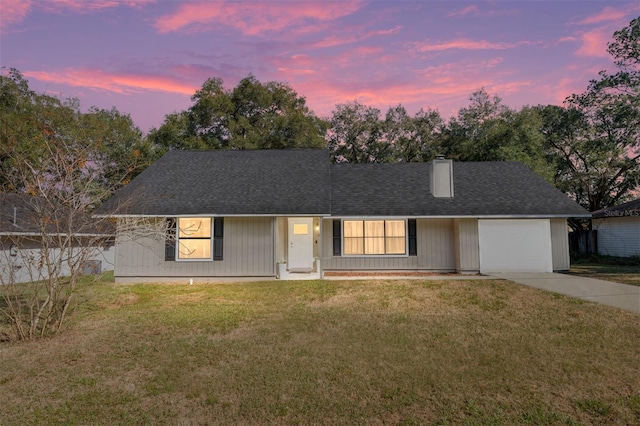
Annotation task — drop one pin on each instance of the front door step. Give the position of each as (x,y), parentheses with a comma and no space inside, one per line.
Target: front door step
(300,270)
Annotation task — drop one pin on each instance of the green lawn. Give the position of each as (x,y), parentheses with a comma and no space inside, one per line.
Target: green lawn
(328,352)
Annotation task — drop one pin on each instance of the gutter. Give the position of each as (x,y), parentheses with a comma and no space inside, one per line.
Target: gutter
(548,216)
(38,234)
(115,216)
(360,216)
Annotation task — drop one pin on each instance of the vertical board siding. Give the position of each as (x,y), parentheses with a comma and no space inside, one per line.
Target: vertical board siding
(618,236)
(436,246)
(326,240)
(560,245)
(280,236)
(467,245)
(435,250)
(248,251)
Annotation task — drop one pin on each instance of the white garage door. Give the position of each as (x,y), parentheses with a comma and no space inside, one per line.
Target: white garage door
(509,245)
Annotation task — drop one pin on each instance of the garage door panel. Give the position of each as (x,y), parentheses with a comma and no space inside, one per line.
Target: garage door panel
(509,245)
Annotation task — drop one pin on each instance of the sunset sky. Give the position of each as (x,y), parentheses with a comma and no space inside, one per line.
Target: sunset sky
(148,57)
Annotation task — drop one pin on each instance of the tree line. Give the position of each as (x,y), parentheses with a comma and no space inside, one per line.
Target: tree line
(589,147)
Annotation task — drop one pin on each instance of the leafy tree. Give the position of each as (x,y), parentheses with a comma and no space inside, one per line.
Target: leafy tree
(596,150)
(415,138)
(597,136)
(625,49)
(174,134)
(20,131)
(31,123)
(480,131)
(526,143)
(251,116)
(118,145)
(487,130)
(356,135)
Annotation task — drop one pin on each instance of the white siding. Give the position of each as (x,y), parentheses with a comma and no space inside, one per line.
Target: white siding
(281,238)
(515,245)
(436,246)
(466,245)
(560,245)
(25,266)
(618,236)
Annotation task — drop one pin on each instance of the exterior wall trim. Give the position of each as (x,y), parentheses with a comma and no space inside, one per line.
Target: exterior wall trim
(329,216)
(546,216)
(116,216)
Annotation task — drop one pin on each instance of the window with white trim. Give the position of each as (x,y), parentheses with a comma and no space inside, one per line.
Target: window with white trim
(194,238)
(374,237)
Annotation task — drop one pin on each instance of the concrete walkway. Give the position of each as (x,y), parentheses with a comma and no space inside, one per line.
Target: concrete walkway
(621,296)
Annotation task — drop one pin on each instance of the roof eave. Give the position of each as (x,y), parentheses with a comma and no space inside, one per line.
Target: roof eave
(526,216)
(53,234)
(117,216)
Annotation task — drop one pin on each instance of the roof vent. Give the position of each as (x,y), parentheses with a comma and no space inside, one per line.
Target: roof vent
(441,177)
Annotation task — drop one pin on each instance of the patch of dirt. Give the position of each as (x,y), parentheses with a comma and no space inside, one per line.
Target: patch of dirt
(124,300)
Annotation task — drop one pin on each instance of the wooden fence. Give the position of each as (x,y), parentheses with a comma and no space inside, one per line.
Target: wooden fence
(585,242)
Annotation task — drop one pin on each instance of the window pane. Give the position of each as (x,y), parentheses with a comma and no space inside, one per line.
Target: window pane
(395,242)
(353,246)
(300,229)
(195,249)
(353,228)
(374,228)
(194,227)
(374,237)
(395,245)
(394,228)
(374,245)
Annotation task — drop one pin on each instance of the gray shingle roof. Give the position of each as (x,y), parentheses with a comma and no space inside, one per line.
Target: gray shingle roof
(480,189)
(22,214)
(303,182)
(628,209)
(246,182)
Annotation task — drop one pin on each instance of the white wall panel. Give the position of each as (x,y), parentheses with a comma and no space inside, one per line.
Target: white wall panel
(466,245)
(618,236)
(560,245)
(510,245)
(27,264)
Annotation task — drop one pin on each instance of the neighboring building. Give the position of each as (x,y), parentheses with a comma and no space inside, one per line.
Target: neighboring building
(23,221)
(263,212)
(618,229)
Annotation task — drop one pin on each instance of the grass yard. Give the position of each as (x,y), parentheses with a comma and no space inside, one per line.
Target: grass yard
(618,274)
(617,269)
(328,352)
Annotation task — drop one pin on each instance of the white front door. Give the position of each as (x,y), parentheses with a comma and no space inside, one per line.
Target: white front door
(300,250)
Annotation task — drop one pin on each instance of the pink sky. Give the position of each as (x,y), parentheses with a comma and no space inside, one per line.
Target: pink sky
(147,57)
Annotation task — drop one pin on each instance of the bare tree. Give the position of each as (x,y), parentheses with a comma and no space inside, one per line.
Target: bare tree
(54,171)
(50,237)
(45,249)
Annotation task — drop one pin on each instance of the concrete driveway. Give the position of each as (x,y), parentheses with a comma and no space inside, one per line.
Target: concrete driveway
(621,296)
